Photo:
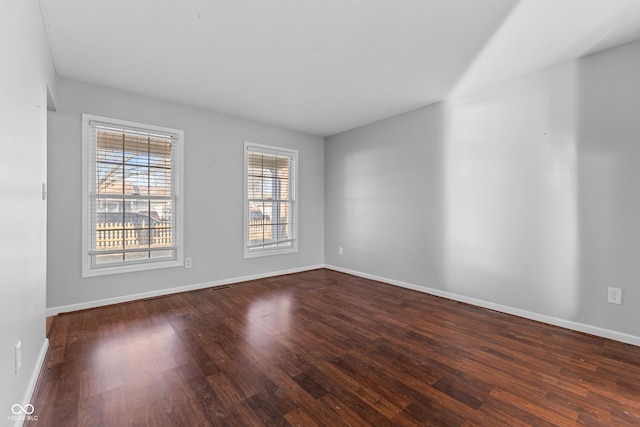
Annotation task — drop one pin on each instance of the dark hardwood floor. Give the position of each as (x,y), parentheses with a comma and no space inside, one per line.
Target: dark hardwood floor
(323,348)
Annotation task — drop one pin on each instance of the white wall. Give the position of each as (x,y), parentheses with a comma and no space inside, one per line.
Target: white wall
(213,182)
(25,72)
(522,196)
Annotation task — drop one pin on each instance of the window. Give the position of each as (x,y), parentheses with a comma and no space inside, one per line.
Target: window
(132,207)
(270,214)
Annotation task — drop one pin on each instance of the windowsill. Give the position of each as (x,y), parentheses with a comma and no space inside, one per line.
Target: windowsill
(268,252)
(130,268)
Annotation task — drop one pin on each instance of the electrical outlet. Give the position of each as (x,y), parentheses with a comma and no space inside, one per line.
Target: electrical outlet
(188,263)
(615,296)
(18,351)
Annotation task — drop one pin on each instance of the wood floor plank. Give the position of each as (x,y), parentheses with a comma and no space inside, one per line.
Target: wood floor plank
(333,379)
(323,348)
(541,408)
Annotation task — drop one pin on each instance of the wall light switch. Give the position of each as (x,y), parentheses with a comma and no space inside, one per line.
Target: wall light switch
(340,251)
(18,350)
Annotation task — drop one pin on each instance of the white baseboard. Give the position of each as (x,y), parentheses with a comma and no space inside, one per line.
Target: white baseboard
(33,381)
(567,324)
(52,311)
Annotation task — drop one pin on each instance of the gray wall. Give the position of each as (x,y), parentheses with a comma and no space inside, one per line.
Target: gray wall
(213,159)
(523,195)
(25,74)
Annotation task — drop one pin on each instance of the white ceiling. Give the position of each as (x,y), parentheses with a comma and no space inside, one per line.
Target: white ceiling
(323,66)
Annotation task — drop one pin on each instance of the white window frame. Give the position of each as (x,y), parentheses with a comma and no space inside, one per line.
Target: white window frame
(88,185)
(252,252)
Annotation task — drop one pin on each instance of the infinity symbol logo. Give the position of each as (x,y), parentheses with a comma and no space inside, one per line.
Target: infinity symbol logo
(26,409)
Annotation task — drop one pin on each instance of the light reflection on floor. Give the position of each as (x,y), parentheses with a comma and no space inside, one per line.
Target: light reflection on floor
(271,315)
(133,358)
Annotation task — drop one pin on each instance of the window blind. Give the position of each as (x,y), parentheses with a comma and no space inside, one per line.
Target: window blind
(270,196)
(132,194)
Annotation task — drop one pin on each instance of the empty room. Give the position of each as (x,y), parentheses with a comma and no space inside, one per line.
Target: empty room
(320,213)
